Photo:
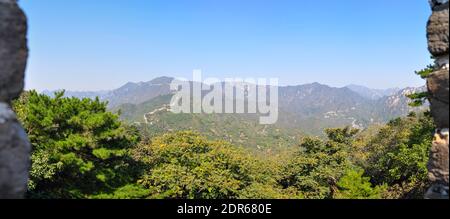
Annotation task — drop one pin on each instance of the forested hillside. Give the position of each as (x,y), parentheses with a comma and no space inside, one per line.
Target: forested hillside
(309,108)
(303,110)
(81,150)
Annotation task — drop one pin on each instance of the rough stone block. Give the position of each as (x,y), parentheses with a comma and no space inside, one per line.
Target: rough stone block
(437,31)
(13,50)
(14,155)
(438,87)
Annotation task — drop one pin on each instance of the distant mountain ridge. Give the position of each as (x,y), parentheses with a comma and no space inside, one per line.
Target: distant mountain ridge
(131,92)
(139,92)
(308,107)
(370,93)
(303,110)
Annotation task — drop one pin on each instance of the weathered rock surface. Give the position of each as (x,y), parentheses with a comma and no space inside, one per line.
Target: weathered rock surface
(14,155)
(437,31)
(436,4)
(13,49)
(438,165)
(438,88)
(14,145)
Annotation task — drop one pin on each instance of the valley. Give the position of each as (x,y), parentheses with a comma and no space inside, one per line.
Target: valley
(304,110)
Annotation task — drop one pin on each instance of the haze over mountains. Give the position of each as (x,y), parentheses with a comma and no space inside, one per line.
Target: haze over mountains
(140,92)
(372,93)
(303,109)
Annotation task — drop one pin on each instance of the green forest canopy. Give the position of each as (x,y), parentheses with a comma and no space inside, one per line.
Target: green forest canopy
(80,150)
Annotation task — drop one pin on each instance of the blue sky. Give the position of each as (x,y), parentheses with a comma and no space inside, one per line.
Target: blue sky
(102,44)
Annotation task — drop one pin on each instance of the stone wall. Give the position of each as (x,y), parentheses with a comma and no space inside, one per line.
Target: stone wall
(14,145)
(438,88)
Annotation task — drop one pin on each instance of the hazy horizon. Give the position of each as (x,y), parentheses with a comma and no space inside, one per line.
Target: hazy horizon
(104,44)
(280,85)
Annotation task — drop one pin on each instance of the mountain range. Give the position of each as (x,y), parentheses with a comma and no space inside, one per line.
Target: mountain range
(303,110)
